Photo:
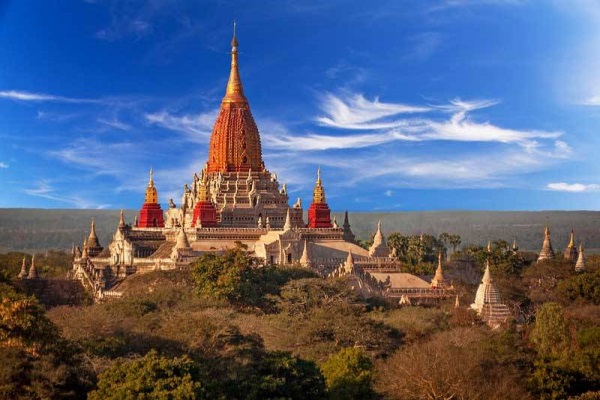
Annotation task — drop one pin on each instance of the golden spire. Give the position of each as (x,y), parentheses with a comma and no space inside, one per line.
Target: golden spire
(438,280)
(151,193)
(572,241)
(203,189)
(235,90)
(93,238)
(547,231)
(319,192)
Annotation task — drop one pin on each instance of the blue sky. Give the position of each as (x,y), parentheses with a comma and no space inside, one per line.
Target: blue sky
(405,105)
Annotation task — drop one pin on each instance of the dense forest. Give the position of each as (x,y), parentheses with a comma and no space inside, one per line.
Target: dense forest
(231,329)
(38,230)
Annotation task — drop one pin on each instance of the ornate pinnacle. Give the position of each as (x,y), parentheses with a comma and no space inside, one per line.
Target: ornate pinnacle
(319,192)
(121,219)
(235,90)
(572,240)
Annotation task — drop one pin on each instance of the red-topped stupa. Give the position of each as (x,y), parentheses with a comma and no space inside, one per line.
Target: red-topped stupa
(151,215)
(319,214)
(205,212)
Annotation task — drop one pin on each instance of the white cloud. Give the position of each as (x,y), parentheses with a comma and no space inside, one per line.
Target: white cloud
(41,97)
(592,101)
(388,193)
(115,123)
(196,127)
(356,112)
(386,124)
(45,190)
(3,165)
(572,187)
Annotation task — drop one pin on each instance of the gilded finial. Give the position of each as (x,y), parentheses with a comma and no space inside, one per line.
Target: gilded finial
(319,192)
(234,41)
(572,240)
(235,91)
(151,193)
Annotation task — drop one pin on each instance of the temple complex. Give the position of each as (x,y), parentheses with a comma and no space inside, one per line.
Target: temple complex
(232,198)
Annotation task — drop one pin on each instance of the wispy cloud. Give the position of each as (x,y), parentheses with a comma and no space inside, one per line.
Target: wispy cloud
(41,97)
(44,189)
(592,101)
(356,112)
(3,165)
(388,122)
(196,127)
(115,123)
(572,187)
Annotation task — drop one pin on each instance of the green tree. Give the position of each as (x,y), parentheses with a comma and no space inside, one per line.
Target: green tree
(400,243)
(455,241)
(584,287)
(36,361)
(150,377)
(279,375)
(550,333)
(229,276)
(349,375)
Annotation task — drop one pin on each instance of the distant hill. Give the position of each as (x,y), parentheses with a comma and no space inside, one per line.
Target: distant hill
(41,229)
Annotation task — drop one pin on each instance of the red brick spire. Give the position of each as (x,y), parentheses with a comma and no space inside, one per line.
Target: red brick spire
(235,141)
(319,214)
(151,215)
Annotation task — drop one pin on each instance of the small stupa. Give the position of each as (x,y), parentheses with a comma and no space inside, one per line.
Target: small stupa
(580,265)
(547,253)
(488,302)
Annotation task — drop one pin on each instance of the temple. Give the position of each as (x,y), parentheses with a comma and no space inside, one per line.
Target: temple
(580,265)
(233,198)
(488,303)
(547,253)
(571,250)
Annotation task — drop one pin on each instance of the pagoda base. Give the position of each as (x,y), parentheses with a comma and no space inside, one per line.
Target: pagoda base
(151,216)
(319,216)
(205,215)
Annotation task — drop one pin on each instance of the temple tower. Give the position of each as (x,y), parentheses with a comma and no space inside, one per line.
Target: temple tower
(348,236)
(319,214)
(205,212)
(151,215)
(235,141)
(33,272)
(580,265)
(239,186)
(488,303)
(547,253)
(571,250)
(23,273)
(379,248)
(93,244)
(439,280)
